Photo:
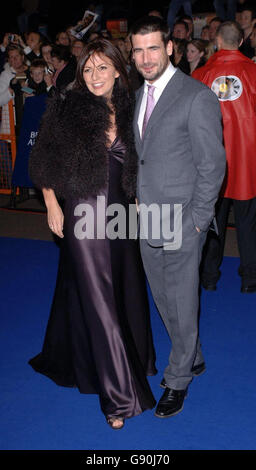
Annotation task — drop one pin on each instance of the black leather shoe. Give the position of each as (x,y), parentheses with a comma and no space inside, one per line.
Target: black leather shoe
(248,289)
(196,371)
(171,403)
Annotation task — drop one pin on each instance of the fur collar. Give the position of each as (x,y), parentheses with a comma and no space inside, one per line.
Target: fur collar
(78,122)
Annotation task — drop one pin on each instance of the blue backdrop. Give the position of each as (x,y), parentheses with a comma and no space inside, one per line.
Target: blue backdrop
(34,107)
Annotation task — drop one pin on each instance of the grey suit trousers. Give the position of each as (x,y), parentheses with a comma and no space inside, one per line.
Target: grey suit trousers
(173,277)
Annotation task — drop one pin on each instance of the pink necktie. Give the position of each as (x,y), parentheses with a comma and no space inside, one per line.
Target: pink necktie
(149,107)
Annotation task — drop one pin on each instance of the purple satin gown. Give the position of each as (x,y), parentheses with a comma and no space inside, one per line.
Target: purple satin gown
(99,336)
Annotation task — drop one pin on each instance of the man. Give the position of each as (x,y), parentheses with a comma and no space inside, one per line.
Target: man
(180,30)
(213,26)
(189,20)
(181,168)
(253,42)
(15,66)
(247,21)
(231,76)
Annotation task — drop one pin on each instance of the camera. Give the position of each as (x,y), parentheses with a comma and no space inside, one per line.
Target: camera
(48,70)
(11,37)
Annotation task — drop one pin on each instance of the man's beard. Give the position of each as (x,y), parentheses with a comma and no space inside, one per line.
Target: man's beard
(152,76)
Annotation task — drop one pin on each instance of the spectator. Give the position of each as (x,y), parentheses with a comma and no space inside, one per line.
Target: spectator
(253,42)
(46,48)
(247,22)
(15,68)
(180,30)
(209,49)
(36,80)
(76,48)
(64,66)
(205,33)
(179,57)
(32,45)
(213,26)
(189,20)
(70,35)
(196,54)
(63,38)
(93,35)
(106,34)
(124,45)
(231,76)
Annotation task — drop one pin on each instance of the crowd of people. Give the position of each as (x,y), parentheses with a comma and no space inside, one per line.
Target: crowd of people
(56,60)
(58,56)
(182,143)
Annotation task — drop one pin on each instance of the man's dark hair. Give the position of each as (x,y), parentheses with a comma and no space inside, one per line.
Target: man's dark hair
(151,24)
(183,23)
(246,7)
(231,33)
(216,19)
(186,17)
(61,52)
(38,63)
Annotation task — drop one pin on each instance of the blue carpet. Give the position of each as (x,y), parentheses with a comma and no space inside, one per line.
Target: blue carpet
(219,412)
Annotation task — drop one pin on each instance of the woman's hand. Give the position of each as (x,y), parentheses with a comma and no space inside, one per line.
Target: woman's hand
(55,219)
(20,41)
(55,215)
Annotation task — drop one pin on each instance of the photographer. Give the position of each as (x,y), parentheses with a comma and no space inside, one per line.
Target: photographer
(65,68)
(15,68)
(31,48)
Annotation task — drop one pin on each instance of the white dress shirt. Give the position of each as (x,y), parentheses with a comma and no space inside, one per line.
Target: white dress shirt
(159,85)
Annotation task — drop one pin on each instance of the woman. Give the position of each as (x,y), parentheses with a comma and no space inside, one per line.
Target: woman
(179,57)
(98,336)
(76,48)
(63,38)
(196,54)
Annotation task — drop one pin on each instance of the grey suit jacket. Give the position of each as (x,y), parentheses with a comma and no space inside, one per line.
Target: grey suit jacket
(182,158)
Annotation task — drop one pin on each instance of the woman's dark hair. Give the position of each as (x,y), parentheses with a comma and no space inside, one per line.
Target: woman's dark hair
(44,44)
(106,48)
(199,44)
(181,45)
(61,52)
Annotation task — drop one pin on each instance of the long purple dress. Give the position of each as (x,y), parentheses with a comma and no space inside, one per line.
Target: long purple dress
(99,336)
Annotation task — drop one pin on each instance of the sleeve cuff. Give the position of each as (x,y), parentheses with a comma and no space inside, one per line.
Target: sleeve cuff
(27,50)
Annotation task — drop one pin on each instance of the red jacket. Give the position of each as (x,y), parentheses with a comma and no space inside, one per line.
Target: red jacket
(232,76)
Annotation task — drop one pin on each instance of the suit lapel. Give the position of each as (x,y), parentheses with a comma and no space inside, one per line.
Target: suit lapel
(136,114)
(167,99)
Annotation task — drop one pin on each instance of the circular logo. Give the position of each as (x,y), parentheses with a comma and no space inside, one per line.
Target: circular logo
(227,88)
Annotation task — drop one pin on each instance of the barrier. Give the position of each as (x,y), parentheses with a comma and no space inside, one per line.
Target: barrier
(7,147)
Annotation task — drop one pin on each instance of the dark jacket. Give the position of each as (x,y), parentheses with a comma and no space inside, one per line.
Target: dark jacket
(70,153)
(66,76)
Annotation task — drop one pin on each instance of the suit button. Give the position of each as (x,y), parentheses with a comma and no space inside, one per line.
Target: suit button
(142,162)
